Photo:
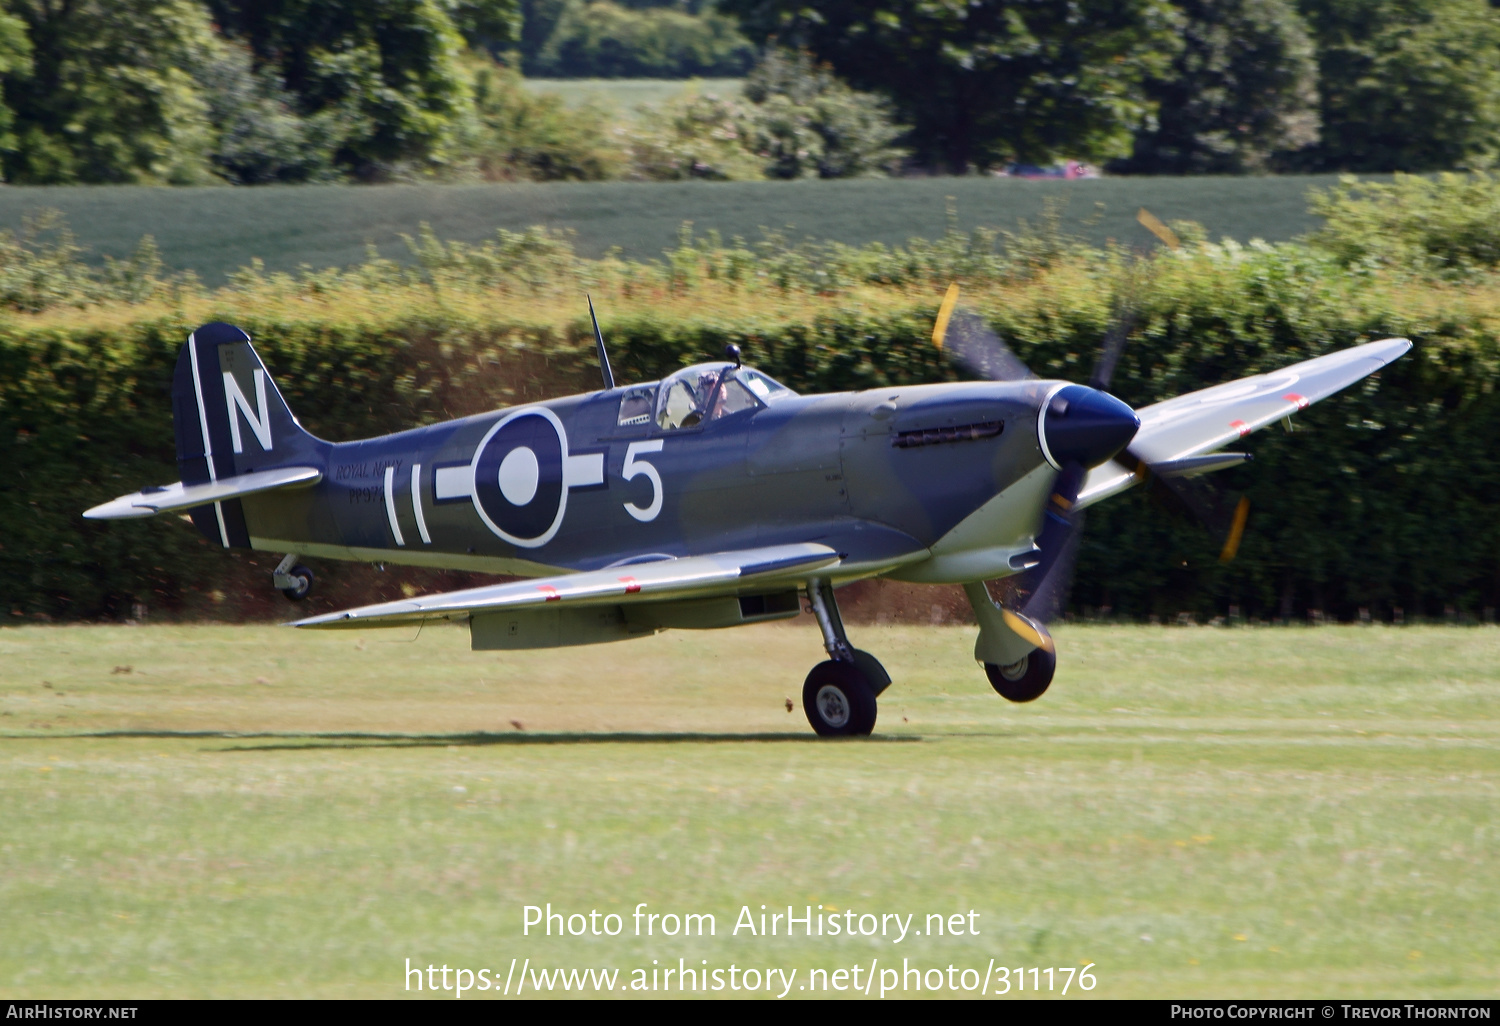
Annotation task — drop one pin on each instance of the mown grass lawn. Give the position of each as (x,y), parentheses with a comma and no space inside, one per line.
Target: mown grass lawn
(247,811)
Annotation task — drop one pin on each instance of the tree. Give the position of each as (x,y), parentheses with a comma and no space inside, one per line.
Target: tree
(984,82)
(699,135)
(385,74)
(519,134)
(807,123)
(1407,85)
(15,63)
(610,40)
(489,25)
(1243,88)
(109,95)
(260,136)
(796,119)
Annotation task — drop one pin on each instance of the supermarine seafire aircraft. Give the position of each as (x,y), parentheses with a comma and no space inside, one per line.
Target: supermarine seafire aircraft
(714,497)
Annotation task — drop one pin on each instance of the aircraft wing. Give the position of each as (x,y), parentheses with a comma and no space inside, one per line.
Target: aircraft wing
(1174,432)
(150,501)
(690,577)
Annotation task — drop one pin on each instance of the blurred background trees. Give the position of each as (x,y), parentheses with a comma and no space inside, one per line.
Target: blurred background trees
(1187,86)
(984,83)
(608,39)
(259,91)
(1240,95)
(1407,85)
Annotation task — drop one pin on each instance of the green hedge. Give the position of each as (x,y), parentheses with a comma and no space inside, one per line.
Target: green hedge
(1382,499)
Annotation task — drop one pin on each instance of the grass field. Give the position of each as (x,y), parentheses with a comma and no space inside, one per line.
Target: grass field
(626,94)
(216,230)
(1196,811)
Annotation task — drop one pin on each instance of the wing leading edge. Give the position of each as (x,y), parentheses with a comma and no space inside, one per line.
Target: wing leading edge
(721,573)
(1182,428)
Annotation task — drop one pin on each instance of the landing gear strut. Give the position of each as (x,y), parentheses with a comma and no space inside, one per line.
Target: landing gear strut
(839,694)
(292,579)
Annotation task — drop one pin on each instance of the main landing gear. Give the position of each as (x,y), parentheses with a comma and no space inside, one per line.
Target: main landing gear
(292,579)
(839,694)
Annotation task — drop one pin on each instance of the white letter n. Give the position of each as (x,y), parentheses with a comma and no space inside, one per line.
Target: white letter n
(259,418)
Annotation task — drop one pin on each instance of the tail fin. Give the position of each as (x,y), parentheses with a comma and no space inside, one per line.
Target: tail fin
(230,419)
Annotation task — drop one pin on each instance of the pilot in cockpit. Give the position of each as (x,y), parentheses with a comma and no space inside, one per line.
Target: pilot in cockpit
(683,405)
(706,392)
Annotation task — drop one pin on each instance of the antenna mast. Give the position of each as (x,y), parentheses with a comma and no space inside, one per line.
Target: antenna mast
(609,375)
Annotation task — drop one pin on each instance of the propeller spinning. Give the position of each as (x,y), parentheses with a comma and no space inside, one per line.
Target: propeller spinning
(1080,427)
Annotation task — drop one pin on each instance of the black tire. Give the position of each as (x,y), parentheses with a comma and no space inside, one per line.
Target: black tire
(838,701)
(304,578)
(1024,681)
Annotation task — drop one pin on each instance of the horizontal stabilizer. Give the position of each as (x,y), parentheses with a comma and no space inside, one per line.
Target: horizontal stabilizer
(722,573)
(151,501)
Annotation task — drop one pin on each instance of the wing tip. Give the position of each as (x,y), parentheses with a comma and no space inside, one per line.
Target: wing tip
(1401,347)
(118,509)
(326,620)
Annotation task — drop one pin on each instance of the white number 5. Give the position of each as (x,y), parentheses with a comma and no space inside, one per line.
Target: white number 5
(633,468)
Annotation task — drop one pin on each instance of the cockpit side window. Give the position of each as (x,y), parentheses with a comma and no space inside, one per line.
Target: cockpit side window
(636,404)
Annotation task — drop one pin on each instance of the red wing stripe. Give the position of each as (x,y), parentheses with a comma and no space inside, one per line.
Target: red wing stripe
(1301,400)
(1240,426)
(631,585)
(549,591)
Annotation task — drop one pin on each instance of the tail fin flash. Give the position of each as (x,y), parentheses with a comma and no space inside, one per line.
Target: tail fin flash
(230,420)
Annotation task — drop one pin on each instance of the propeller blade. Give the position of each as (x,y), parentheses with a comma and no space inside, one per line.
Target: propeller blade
(1207,504)
(1110,352)
(1062,526)
(1051,595)
(970,343)
(1236,530)
(1154,225)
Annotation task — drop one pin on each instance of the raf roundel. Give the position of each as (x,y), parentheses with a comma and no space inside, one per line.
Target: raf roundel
(519,487)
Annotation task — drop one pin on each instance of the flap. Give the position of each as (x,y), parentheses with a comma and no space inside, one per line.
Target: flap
(151,501)
(722,573)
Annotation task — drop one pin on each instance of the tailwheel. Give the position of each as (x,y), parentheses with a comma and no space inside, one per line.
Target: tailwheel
(291,578)
(301,582)
(1026,679)
(838,700)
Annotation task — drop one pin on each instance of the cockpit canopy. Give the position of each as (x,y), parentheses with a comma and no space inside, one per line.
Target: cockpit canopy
(708,391)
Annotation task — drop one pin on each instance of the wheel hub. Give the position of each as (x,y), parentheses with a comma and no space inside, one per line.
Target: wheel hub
(833,706)
(1017,669)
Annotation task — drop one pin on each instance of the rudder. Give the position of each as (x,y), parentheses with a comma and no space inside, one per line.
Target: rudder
(229,419)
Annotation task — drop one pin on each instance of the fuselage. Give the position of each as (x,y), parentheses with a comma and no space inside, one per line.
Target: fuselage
(906,480)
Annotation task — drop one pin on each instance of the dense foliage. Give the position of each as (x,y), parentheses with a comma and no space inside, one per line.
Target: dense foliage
(519,135)
(984,81)
(794,120)
(263,91)
(1407,85)
(1241,92)
(1176,86)
(604,39)
(1382,500)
